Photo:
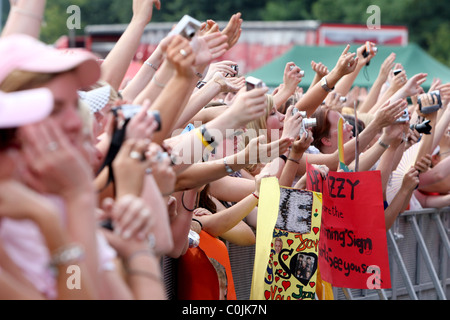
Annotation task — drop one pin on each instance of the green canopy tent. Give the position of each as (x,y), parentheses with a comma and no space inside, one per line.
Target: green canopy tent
(412,57)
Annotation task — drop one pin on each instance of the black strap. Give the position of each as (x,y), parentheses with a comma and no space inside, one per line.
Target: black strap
(116,142)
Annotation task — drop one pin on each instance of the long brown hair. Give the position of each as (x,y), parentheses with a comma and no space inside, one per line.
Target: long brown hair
(322,129)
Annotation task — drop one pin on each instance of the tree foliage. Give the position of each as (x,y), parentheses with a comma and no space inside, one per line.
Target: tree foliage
(427,21)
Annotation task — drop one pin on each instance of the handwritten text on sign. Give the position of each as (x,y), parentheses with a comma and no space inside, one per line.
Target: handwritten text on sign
(353,232)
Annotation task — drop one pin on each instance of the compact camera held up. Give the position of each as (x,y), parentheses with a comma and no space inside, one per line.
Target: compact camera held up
(252,83)
(302,72)
(235,67)
(369,49)
(130,110)
(186,27)
(307,123)
(405,116)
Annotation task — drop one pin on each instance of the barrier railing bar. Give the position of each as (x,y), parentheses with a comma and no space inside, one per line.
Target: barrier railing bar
(426,255)
(401,264)
(347,293)
(440,226)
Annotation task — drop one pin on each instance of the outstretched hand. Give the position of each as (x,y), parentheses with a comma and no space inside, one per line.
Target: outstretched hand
(347,62)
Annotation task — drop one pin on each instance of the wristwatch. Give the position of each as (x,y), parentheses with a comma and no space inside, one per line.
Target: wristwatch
(324,84)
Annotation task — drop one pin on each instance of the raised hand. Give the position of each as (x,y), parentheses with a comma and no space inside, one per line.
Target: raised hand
(142,125)
(347,62)
(259,151)
(233,29)
(209,47)
(390,112)
(143,10)
(247,106)
(129,167)
(181,55)
(319,68)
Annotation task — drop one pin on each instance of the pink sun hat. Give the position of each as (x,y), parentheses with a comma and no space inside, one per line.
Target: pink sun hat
(24,107)
(22,52)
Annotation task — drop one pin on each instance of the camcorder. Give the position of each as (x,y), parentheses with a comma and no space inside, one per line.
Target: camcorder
(186,27)
(369,49)
(429,102)
(405,116)
(302,72)
(252,83)
(423,127)
(307,123)
(130,110)
(235,67)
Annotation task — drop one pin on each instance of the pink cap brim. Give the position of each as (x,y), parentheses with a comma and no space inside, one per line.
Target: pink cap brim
(24,107)
(22,52)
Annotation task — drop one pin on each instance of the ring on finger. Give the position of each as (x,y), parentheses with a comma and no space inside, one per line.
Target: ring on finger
(183,52)
(52,146)
(136,155)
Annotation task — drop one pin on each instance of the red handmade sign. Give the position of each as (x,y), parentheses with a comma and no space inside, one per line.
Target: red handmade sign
(353,246)
(314,181)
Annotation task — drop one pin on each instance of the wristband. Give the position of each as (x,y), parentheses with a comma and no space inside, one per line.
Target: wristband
(207,145)
(151,65)
(381,143)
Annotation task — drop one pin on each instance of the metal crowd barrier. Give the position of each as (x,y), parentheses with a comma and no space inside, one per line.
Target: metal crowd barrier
(419,253)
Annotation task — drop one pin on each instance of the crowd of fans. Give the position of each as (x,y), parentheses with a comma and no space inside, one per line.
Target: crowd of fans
(99,179)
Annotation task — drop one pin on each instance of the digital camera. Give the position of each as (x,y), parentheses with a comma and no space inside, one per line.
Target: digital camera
(130,110)
(429,102)
(235,67)
(404,117)
(397,71)
(252,83)
(302,72)
(369,49)
(307,123)
(302,113)
(186,27)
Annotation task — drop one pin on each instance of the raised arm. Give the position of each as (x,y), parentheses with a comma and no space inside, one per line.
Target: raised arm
(314,96)
(118,60)
(375,90)
(25,17)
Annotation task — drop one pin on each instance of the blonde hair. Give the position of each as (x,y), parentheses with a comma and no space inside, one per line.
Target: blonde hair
(256,128)
(19,80)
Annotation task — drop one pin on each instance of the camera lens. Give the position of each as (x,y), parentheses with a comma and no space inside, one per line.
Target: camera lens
(189,31)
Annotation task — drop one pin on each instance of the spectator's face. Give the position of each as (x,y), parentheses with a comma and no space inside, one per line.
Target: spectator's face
(65,113)
(275,123)
(333,118)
